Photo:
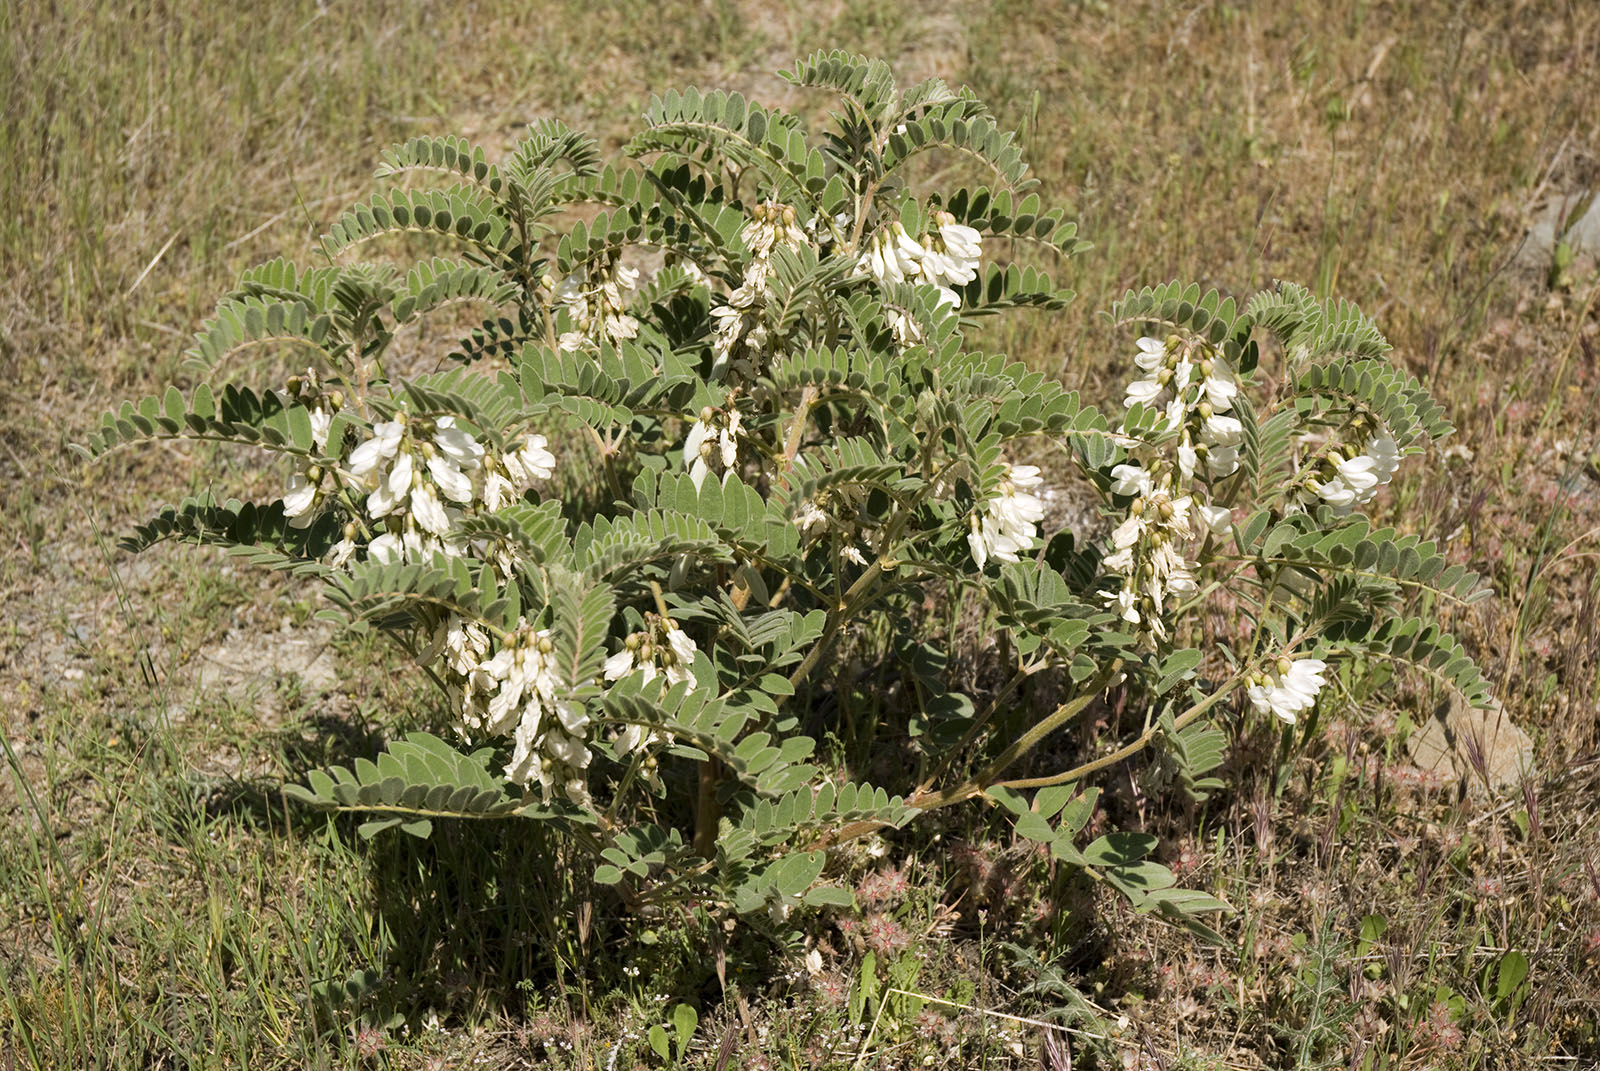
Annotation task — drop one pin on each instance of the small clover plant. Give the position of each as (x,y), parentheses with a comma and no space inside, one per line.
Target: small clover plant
(752,340)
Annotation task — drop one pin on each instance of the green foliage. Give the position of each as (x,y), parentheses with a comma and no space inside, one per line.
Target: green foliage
(786,449)
(413,782)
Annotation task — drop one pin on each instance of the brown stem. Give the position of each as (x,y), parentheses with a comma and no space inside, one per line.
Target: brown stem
(925,799)
(791,445)
(707,812)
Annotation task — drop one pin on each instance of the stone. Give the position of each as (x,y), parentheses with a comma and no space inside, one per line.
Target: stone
(1447,743)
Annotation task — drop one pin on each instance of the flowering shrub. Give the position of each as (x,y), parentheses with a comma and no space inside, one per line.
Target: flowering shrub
(751,341)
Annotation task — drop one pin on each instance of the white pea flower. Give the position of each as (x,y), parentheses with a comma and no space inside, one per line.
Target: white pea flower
(950,254)
(1288,688)
(342,551)
(772,225)
(1218,520)
(299,499)
(711,436)
(1143,392)
(1005,525)
(1383,449)
(1152,354)
(451,481)
(321,421)
(532,462)
(1335,492)
(428,510)
(1221,388)
(391,547)
(1130,479)
(466,645)
(1222,430)
(663,649)
(1222,461)
(385,442)
(893,256)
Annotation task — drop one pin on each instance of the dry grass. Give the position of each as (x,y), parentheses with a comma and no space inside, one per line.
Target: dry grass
(159,908)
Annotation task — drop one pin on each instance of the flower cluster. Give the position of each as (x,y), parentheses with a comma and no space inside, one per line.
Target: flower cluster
(516,692)
(946,257)
(413,478)
(741,332)
(595,304)
(664,650)
(713,440)
(1288,687)
(1349,477)
(1194,387)
(1006,524)
(1145,546)
(842,511)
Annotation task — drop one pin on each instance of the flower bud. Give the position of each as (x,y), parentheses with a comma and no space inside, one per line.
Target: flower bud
(1205,410)
(706,414)
(336,399)
(314,474)
(351,530)
(1173,342)
(1284,666)
(293,385)
(546,645)
(788,213)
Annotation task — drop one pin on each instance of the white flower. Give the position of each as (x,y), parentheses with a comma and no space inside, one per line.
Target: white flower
(530,463)
(1288,688)
(298,500)
(1221,430)
(1335,492)
(385,549)
(1143,392)
(664,650)
(1220,386)
(1222,461)
(893,256)
(950,254)
(1218,520)
(771,225)
(381,447)
(906,331)
(1152,354)
(694,451)
(466,644)
(1130,479)
(1006,525)
(428,510)
(682,646)
(321,421)
(1383,450)
(341,552)
(459,446)
(619,665)
(451,481)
